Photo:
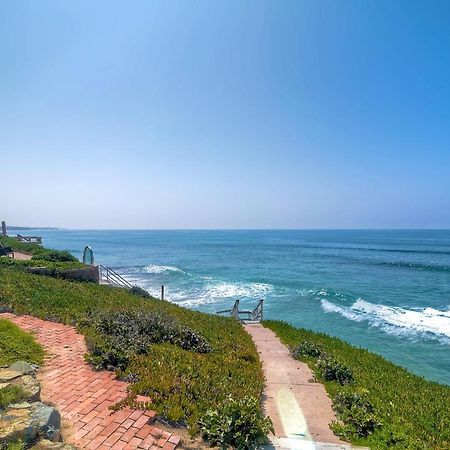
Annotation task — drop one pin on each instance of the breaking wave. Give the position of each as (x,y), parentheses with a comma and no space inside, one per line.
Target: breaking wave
(217,291)
(428,323)
(154,268)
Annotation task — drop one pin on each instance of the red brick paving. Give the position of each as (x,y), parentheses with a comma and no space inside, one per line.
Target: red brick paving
(83,396)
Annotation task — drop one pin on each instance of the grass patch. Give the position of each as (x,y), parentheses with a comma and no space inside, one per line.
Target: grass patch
(16,345)
(385,405)
(189,367)
(11,394)
(19,445)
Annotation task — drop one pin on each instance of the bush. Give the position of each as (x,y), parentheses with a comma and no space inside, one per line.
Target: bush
(137,290)
(357,414)
(307,348)
(116,336)
(54,255)
(332,370)
(38,251)
(236,423)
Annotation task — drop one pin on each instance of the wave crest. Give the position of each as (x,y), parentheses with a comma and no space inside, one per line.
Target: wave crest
(155,269)
(424,322)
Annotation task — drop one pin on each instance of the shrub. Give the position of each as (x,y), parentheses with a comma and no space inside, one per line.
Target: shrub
(357,414)
(54,255)
(332,370)
(307,348)
(236,423)
(119,335)
(137,290)
(38,251)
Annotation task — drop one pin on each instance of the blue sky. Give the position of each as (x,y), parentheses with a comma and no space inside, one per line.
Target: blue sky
(200,114)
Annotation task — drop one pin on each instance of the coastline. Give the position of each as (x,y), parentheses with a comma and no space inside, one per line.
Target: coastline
(337,289)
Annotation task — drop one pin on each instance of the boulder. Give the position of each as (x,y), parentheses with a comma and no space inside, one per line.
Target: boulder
(29,421)
(31,387)
(7,375)
(23,367)
(21,374)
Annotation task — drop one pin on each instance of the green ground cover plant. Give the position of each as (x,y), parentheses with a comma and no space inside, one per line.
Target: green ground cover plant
(385,405)
(189,366)
(40,256)
(16,345)
(11,394)
(236,423)
(13,446)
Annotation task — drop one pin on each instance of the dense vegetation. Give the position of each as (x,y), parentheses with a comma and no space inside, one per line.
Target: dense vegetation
(379,404)
(40,256)
(16,345)
(189,363)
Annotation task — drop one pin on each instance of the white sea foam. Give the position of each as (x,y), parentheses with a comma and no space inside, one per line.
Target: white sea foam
(154,268)
(216,291)
(424,322)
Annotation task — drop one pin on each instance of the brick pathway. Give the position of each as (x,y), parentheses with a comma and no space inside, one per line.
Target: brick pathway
(83,396)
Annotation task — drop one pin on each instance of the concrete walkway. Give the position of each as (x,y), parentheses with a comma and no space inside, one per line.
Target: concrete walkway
(83,396)
(300,409)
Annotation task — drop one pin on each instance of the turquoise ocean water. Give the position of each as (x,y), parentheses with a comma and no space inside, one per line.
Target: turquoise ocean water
(388,291)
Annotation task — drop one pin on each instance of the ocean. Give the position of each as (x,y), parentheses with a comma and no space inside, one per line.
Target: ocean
(384,290)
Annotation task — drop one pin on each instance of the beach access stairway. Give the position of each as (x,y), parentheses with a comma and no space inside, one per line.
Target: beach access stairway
(29,239)
(247,316)
(107,275)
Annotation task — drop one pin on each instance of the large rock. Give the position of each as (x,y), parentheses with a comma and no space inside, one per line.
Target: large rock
(23,367)
(16,370)
(7,375)
(30,386)
(29,421)
(21,374)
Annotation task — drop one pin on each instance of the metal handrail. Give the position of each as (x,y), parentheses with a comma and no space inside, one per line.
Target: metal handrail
(255,315)
(113,277)
(29,239)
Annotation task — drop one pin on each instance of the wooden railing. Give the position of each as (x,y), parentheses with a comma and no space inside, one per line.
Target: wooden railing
(253,315)
(112,277)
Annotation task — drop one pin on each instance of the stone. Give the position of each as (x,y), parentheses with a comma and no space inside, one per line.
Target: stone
(7,375)
(49,421)
(45,444)
(31,387)
(28,421)
(23,367)
(21,374)
(16,424)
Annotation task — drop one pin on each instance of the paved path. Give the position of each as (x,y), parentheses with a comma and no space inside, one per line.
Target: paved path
(83,396)
(300,409)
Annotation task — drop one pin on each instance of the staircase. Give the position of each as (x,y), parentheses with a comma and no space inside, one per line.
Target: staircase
(243,315)
(108,275)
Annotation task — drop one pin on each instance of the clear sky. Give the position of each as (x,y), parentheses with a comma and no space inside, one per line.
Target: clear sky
(218,114)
